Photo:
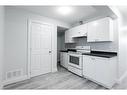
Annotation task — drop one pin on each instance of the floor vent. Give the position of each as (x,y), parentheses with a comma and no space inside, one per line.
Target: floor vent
(13,74)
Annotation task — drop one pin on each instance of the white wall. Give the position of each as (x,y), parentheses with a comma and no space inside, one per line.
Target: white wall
(16,38)
(122,53)
(121,13)
(1,41)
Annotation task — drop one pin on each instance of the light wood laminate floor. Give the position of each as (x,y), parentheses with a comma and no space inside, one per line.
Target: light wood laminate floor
(62,79)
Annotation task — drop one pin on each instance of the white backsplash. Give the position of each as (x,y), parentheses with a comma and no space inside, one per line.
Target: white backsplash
(101,46)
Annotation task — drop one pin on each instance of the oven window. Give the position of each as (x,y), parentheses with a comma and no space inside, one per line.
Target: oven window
(74,60)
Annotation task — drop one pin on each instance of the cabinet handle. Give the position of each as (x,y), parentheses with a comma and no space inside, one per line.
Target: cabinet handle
(50,51)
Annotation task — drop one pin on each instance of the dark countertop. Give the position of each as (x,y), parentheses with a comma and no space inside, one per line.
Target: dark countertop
(102,54)
(63,50)
(74,50)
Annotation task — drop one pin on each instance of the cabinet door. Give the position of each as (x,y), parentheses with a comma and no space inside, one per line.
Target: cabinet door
(68,37)
(80,31)
(74,32)
(64,59)
(99,69)
(105,71)
(92,32)
(89,67)
(83,30)
(100,30)
(102,69)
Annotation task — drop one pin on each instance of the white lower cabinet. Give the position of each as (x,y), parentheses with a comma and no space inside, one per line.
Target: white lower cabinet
(64,59)
(101,70)
(79,31)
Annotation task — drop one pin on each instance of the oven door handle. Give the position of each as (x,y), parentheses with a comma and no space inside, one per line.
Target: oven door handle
(75,55)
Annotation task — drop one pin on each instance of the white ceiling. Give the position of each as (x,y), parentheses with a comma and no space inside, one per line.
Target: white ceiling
(79,12)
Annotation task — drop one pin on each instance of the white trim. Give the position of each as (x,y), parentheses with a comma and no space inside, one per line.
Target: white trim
(54,49)
(14,80)
(28,47)
(122,78)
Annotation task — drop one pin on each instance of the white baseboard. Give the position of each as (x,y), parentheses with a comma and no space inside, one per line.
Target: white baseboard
(122,78)
(14,80)
(54,70)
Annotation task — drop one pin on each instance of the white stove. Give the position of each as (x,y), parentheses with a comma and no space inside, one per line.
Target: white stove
(75,59)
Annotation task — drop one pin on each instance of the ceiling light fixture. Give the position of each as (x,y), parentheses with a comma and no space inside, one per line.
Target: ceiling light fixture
(64,10)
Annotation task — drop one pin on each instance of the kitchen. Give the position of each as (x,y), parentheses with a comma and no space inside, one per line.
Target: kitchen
(84,42)
(87,62)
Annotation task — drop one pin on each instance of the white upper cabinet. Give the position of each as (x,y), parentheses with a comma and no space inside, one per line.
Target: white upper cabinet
(79,31)
(100,30)
(68,37)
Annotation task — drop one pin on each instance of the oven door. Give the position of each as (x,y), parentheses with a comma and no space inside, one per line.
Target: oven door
(75,60)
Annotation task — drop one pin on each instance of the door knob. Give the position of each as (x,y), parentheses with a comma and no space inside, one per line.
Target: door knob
(50,51)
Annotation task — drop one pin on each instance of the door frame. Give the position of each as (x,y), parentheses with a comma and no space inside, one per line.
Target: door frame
(29,22)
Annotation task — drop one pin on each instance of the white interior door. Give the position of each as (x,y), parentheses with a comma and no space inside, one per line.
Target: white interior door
(40,55)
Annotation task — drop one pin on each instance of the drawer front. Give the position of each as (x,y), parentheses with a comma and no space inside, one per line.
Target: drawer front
(75,70)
